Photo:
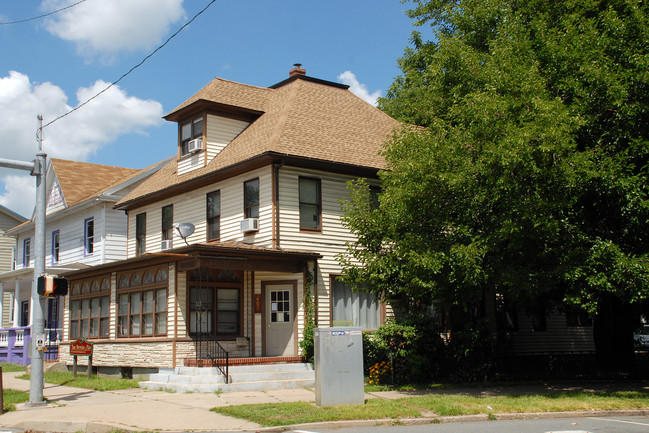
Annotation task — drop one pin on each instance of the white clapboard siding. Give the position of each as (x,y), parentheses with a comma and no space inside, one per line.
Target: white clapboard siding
(191,207)
(115,238)
(334,236)
(557,338)
(220,131)
(275,276)
(191,162)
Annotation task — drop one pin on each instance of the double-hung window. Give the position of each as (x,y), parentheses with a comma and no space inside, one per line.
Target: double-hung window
(167,222)
(354,308)
(251,198)
(89,236)
(27,252)
(213,215)
(310,203)
(140,233)
(190,131)
(56,238)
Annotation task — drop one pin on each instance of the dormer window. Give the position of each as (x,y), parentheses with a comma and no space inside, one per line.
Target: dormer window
(190,131)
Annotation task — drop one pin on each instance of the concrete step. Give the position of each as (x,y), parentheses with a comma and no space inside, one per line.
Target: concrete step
(242,378)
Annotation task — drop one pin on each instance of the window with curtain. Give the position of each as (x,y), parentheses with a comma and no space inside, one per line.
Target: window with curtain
(251,198)
(353,308)
(140,233)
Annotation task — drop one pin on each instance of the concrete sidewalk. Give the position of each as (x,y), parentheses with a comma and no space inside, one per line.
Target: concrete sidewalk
(76,409)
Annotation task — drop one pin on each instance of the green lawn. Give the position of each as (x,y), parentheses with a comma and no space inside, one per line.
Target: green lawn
(12,397)
(269,415)
(9,368)
(81,381)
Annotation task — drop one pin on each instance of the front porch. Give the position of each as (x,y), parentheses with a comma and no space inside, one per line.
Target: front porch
(15,344)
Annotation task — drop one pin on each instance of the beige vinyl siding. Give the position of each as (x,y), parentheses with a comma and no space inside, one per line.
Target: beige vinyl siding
(220,132)
(191,208)
(330,242)
(7,243)
(270,277)
(557,338)
(191,162)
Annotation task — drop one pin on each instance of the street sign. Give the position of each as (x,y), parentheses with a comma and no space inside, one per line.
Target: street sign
(81,347)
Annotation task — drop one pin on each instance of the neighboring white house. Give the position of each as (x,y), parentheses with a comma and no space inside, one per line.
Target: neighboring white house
(8,220)
(259,173)
(82,230)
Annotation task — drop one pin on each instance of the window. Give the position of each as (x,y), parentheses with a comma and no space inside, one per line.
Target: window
(189,131)
(213,215)
(374,196)
(24,313)
(55,247)
(140,234)
(90,308)
(142,303)
(27,252)
(251,198)
(167,222)
(215,302)
(89,236)
(353,308)
(575,316)
(310,203)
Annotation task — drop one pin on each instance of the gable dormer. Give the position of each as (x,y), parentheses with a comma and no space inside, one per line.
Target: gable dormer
(203,136)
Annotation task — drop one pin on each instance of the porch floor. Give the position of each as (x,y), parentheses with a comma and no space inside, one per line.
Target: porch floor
(192,362)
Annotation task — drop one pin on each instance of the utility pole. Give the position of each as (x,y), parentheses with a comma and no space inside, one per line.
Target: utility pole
(36,168)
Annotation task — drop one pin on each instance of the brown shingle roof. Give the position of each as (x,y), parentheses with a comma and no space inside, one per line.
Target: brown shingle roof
(302,117)
(80,181)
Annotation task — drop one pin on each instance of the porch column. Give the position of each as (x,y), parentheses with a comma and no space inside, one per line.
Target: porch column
(16,317)
(2,303)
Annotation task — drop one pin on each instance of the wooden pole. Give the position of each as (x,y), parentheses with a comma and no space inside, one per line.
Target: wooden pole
(74,366)
(89,366)
(2,394)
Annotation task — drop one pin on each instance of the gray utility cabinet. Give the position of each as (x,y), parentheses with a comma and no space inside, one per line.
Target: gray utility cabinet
(338,353)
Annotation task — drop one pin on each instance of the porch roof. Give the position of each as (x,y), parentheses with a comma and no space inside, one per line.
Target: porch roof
(226,254)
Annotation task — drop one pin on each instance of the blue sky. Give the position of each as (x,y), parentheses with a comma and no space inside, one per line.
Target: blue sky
(52,64)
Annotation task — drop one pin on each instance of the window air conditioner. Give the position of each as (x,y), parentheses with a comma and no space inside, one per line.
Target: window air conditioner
(167,244)
(249,225)
(195,145)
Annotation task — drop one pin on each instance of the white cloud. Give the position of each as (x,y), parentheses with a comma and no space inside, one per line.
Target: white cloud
(75,137)
(20,194)
(359,89)
(101,27)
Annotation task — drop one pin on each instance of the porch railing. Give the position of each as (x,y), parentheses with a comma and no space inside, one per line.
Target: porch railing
(208,348)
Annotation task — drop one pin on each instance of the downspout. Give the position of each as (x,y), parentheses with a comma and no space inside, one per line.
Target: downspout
(276,224)
(103,234)
(315,293)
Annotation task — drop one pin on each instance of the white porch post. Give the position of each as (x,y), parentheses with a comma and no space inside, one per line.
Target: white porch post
(16,317)
(2,303)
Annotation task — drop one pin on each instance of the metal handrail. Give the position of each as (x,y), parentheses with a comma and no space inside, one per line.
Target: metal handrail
(208,348)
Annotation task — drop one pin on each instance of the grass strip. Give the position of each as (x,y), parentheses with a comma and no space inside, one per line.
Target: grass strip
(446,405)
(11,397)
(98,383)
(277,414)
(10,368)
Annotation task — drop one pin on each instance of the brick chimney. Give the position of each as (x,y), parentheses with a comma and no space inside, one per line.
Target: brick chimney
(297,70)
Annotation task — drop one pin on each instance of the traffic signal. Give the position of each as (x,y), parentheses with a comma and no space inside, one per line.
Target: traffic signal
(51,286)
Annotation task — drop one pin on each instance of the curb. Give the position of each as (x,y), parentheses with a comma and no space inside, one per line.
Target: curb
(452,419)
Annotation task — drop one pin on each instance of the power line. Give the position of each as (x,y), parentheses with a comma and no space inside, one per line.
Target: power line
(41,16)
(134,67)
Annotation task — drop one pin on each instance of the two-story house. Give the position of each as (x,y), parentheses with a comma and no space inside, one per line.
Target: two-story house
(258,175)
(8,220)
(82,229)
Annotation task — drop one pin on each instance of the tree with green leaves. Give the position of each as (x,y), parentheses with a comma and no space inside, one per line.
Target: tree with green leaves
(523,176)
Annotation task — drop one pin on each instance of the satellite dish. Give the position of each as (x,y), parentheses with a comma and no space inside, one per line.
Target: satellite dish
(185,229)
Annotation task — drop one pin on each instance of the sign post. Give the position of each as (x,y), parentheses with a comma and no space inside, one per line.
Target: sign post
(81,347)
